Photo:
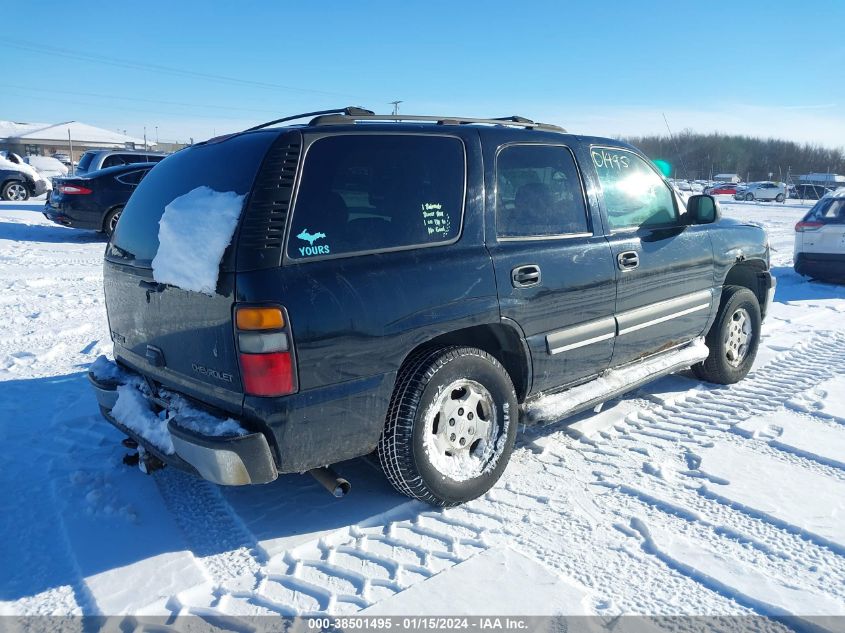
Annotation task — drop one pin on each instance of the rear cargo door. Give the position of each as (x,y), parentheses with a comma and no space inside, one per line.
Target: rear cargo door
(178,336)
(829,238)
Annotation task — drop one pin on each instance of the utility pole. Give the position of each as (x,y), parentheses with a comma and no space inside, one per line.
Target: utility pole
(70,147)
(395,107)
(156,135)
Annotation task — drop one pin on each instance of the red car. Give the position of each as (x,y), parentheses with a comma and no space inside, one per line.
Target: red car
(723,188)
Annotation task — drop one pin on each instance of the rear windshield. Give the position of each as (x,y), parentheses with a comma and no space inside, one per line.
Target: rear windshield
(228,165)
(86,159)
(377,192)
(830,210)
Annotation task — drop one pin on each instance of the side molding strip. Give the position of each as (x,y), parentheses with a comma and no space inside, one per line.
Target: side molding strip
(630,321)
(581,335)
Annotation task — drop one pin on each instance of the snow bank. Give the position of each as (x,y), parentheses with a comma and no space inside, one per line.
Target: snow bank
(47,165)
(193,234)
(133,409)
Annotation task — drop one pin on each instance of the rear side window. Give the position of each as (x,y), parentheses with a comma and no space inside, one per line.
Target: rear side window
(634,194)
(377,192)
(113,161)
(133,177)
(538,192)
(229,165)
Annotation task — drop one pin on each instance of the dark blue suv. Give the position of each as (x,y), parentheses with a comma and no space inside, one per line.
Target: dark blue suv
(410,286)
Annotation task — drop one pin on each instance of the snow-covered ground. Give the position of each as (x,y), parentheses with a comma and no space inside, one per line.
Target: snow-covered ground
(680,499)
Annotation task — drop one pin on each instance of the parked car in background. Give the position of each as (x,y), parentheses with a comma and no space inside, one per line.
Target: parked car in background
(410,296)
(721,189)
(94,160)
(96,200)
(765,190)
(47,166)
(19,181)
(809,192)
(820,239)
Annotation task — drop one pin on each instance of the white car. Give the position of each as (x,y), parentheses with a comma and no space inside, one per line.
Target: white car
(765,190)
(820,239)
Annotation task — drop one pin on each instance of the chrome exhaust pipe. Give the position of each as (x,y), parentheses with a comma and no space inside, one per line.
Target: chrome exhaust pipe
(331,481)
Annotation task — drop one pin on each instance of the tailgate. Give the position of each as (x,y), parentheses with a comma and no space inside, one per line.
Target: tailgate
(183,339)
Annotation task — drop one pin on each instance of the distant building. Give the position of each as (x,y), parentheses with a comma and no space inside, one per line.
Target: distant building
(833,181)
(46,139)
(727,178)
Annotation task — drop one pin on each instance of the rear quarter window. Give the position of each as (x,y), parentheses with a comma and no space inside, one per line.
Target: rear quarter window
(363,193)
(86,159)
(828,210)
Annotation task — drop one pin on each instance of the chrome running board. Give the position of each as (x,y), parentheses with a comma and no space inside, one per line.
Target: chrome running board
(551,407)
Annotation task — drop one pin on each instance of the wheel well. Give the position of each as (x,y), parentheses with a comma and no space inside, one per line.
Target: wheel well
(747,274)
(503,342)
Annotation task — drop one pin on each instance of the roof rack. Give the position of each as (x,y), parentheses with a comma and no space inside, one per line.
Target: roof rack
(340,117)
(347,111)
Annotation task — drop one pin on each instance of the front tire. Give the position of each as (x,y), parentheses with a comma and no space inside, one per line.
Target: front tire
(15,191)
(749,197)
(450,427)
(780,197)
(733,338)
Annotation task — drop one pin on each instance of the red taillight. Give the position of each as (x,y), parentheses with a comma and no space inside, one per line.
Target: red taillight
(268,374)
(265,348)
(808,226)
(74,189)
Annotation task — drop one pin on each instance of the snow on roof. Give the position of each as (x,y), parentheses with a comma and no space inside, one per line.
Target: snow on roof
(79,133)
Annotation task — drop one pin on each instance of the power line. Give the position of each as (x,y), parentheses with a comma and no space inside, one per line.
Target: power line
(180,72)
(145,111)
(145,100)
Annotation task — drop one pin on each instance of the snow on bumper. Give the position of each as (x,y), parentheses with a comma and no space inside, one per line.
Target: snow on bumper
(222,452)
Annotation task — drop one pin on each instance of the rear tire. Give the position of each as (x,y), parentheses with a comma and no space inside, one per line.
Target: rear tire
(110,222)
(15,191)
(733,338)
(450,427)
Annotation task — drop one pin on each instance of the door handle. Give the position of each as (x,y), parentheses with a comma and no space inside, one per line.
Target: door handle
(526,276)
(627,260)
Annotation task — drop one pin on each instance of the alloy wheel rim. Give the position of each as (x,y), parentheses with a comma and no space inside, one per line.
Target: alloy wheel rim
(113,222)
(16,192)
(461,430)
(738,337)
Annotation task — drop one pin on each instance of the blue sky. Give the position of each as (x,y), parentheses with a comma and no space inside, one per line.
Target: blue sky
(601,67)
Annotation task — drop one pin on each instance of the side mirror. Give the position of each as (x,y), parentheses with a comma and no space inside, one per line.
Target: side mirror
(702,209)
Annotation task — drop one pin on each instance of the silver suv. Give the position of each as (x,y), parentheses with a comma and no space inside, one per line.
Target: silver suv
(93,160)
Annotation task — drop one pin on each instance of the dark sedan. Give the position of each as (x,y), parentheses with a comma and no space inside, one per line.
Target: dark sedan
(94,201)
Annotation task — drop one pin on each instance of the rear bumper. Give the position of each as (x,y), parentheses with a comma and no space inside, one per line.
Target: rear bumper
(821,265)
(73,218)
(227,460)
